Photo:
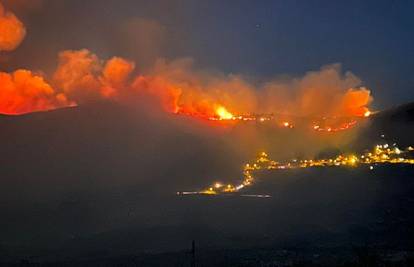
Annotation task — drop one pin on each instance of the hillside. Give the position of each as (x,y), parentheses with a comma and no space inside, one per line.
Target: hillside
(76,184)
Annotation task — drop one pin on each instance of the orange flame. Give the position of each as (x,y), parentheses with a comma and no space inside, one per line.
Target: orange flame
(223,114)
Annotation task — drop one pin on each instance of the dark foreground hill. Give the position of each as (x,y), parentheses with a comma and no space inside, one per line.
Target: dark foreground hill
(94,186)
(395,125)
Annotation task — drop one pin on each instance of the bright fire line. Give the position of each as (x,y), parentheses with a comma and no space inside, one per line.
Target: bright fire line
(322,124)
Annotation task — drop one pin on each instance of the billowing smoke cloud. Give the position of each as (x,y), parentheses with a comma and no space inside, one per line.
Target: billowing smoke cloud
(326,92)
(12,30)
(82,77)
(23,92)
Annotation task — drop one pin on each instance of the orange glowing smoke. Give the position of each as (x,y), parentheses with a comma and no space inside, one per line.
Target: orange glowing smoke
(324,93)
(23,92)
(355,102)
(115,75)
(182,90)
(12,30)
(82,76)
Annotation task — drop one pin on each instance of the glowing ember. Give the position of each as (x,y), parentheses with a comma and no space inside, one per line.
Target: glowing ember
(341,127)
(323,124)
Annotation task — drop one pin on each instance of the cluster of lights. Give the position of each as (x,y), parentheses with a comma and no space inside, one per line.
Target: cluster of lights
(381,154)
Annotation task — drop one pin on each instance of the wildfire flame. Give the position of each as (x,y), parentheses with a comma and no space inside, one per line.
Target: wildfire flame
(223,113)
(82,77)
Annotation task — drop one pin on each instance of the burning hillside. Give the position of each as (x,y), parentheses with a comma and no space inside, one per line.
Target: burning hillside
(81,77)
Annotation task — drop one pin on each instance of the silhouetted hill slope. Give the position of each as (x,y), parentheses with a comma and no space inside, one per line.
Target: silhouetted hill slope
(392,125)
(105,145)
(99,180)
(403,113)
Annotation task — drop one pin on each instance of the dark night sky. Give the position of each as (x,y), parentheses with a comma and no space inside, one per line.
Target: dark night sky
(373,39)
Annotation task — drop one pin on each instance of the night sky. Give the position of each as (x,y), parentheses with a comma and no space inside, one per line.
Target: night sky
(259,39)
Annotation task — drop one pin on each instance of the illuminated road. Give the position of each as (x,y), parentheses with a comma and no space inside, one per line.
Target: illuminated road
(380,154)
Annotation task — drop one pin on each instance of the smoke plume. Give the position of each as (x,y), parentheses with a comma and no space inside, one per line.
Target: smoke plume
(82,77)
(23,92)
(12,30)
(326,92)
